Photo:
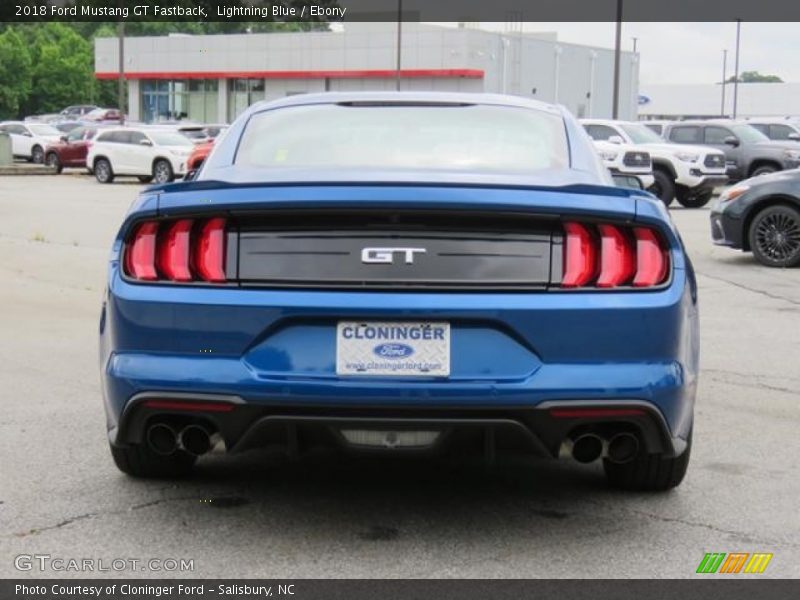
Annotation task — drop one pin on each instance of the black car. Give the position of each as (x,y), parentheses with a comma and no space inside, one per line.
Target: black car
(761,215)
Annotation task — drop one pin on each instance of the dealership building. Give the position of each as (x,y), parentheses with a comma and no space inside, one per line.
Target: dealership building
(213,78)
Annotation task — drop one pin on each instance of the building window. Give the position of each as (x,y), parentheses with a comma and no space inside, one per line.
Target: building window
(242,93)
(175,100)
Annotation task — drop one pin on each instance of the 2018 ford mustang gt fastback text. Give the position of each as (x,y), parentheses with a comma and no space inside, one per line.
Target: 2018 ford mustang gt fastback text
(401,273)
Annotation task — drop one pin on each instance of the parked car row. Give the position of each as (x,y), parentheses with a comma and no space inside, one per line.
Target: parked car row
(156,153)
(688,173)
(29,140)
(748,151)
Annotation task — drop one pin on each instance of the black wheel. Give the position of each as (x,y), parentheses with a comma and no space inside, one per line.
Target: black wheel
(37,155)
(775,236)
(764,170)
(697,201)
(162,171)
(663,187)
(139,461)
(145,178)
(52,161)
(102,171)
(649,472)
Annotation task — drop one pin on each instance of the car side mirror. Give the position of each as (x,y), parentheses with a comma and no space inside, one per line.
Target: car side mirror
(795,137)
(627,181)
(145,143)
(64,139)
(731,141)
(615,139)
(27,134)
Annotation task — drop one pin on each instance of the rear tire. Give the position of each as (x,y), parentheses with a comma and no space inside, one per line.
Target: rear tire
(775,236)
(102,171)
(764,170)
(663,187)
(698,201)
(649,472)
(37,155)
(162,171)
(138,460)
(51,160)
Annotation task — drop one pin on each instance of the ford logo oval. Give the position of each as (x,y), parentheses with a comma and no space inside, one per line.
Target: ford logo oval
(393,351)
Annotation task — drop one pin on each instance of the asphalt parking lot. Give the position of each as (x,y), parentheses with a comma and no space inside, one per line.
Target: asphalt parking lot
(256,516)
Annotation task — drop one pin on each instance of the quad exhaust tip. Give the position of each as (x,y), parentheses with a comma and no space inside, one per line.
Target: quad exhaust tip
(162,439)
(623,447)
(195,440)
(587,448)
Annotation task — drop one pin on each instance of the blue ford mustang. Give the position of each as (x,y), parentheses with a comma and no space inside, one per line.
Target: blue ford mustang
(401,273)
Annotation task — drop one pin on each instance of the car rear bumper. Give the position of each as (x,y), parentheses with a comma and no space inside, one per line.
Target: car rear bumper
(272,353)
(539,430)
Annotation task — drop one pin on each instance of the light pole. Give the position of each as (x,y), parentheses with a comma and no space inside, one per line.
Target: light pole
(399,41)
(736,68)
(617,55)
(635,39)
(724,74)
(121,79)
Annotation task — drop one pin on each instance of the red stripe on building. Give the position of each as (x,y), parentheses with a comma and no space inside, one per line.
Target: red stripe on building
(344,74)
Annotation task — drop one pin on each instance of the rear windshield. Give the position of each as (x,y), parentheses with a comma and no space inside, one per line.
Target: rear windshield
(462,138)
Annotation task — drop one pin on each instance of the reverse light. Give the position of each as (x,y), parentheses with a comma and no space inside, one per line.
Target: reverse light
(609,256)
(181,251)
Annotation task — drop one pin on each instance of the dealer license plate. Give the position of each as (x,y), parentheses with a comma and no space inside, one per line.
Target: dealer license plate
(396,348)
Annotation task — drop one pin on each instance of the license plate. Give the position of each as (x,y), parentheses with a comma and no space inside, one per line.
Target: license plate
(399,349)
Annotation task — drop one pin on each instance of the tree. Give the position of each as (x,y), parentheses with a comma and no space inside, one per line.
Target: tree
(15,74)
(63,69)
(755,77)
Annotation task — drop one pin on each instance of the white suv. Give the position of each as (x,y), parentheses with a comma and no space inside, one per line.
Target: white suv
(149,154)
(626,159)
(689,173)
(28,140)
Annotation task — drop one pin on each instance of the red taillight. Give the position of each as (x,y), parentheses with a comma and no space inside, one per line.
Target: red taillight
(579,256)
(617,261)
(595,413)
(140,258)
(210,252)
(190,406)
(177,251)
(174,251)
(613,256)
(651,260)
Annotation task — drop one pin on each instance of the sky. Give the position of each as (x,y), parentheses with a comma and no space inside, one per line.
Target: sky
(690,52)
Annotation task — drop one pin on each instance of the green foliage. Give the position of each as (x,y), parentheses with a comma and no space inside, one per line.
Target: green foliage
(47,66)
(15,74)
(755,77)
(62,69)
